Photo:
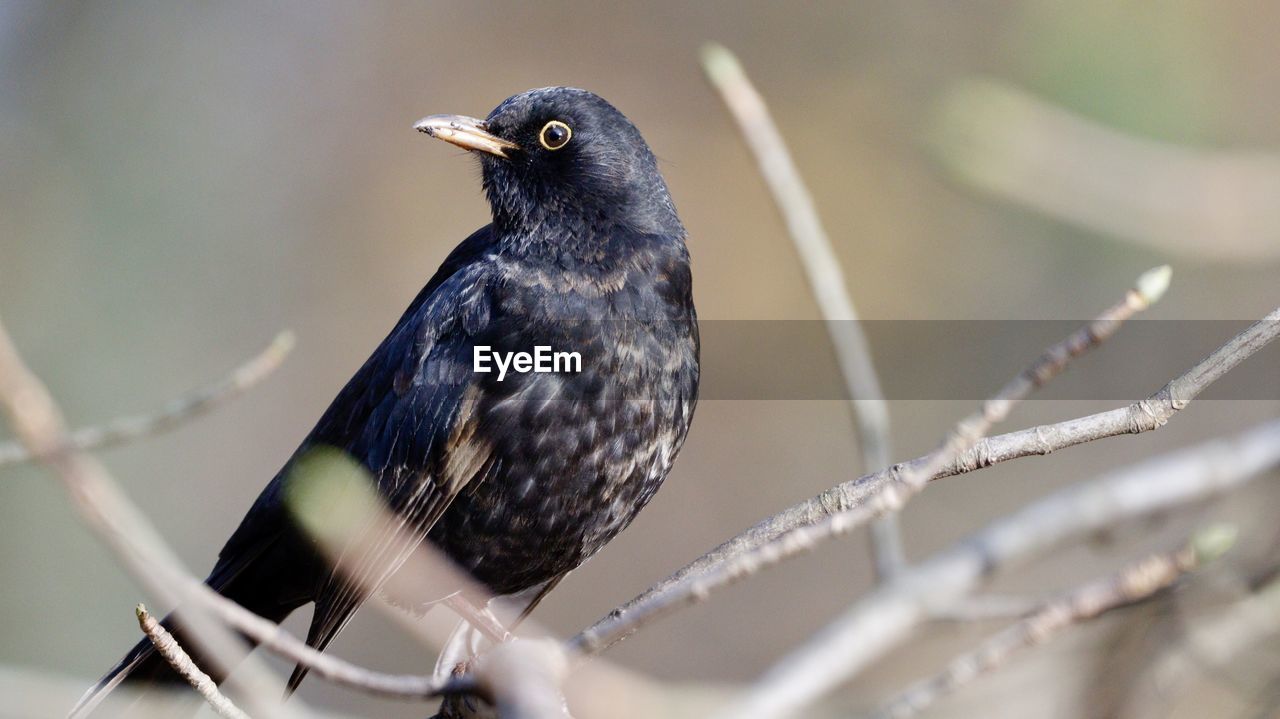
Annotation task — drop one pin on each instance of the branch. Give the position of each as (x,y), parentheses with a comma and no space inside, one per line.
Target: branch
(124,430)
(173,653)
(847,506)
(276,639)
(822,267)
(38,423)
(1007,142)
(523,677)
(886,617)
(1134,583)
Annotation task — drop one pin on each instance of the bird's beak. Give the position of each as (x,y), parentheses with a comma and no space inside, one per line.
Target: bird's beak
(465,132)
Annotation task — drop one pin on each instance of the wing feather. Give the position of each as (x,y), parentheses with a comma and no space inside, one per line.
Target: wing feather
(418,439)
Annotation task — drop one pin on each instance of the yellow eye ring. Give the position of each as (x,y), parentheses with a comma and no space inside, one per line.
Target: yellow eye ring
(555,135)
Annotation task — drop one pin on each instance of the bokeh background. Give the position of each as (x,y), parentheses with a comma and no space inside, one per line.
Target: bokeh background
(180,181)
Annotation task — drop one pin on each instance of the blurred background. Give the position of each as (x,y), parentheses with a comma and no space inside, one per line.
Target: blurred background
(177,184)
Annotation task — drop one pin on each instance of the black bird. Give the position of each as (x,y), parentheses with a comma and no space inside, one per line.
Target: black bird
(521,478)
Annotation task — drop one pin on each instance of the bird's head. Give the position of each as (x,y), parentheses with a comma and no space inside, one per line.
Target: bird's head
(562,157)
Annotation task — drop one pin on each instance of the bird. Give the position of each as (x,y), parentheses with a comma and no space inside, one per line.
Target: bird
(518,477)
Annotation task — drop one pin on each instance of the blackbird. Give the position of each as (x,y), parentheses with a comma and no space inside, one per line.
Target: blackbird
(520,476)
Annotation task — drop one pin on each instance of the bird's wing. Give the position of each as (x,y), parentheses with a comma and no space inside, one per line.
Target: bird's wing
(418,436)
(417,498)
(348,415)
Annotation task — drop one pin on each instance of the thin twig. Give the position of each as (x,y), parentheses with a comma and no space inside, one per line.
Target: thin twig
(276,639)
(1134,583)
(37,421)
(885,618)
(800,528)
(31,693)
(173,653)
(123,430)
(826,280)
(1003,141)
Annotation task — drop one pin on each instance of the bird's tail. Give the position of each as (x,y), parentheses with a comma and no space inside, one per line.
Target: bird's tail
(259,583)
(143,667)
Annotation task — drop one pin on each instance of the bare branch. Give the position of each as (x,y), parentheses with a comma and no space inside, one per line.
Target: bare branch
(124,430)
(173,653)
(1135,582)
(826,280)
(524,677)
(33,693)
(1007,142)
(274,638)
(850,505)
(885,618)
(37,421)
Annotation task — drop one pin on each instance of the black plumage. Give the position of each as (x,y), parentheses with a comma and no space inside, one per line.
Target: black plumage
(520,480)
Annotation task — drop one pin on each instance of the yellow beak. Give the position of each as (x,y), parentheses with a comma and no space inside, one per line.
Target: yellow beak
(465,132)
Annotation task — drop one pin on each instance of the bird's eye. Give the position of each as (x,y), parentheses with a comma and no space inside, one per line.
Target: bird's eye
(555,135)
